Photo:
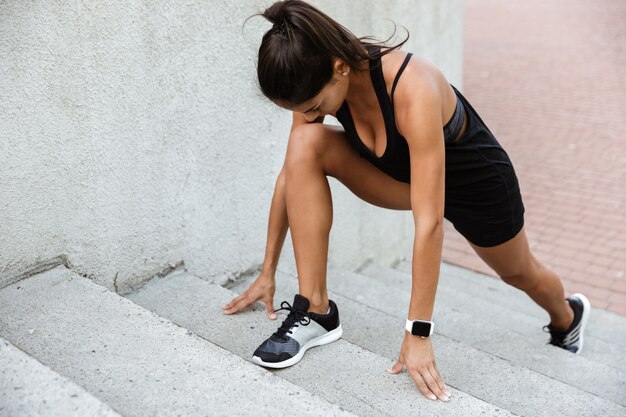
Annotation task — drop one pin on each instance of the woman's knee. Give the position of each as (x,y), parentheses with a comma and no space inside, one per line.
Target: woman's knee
(306,146)
(512,261)
(303,141)
(523,276)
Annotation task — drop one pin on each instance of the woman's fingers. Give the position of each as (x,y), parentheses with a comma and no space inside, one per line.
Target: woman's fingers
(439,380)
(421,366)
(233,301)
(397,367)
(428,385)
(269,308)
(421,384)
(237,304)
(261,289)
(433,385)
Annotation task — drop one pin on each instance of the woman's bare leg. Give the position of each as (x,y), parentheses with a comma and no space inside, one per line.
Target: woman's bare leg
(310,213)
(315,151)
(517,266)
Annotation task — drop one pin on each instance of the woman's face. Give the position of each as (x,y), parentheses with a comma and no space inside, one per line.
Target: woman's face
(329,100)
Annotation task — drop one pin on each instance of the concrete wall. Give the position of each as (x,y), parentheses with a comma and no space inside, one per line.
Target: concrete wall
(133,137)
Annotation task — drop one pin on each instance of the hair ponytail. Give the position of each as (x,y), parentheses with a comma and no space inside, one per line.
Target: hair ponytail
(296,55)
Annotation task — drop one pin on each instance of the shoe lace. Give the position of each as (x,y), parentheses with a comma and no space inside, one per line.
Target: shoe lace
(555,338)
(293,317)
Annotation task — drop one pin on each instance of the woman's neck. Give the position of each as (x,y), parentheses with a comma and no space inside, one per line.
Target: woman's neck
(360,90)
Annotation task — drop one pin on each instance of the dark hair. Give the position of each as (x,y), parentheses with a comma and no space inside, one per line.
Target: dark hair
(296,55)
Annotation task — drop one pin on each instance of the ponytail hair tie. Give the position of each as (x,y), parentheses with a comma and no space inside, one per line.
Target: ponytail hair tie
(279,28)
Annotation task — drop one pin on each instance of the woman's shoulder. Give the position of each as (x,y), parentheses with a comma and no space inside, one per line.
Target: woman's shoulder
(419,74)
(418,69)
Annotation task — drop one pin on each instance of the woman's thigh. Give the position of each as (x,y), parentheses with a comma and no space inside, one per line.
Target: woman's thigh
(513,260)
(340,160)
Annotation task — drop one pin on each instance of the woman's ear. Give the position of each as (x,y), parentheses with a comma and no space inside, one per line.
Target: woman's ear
(340,67)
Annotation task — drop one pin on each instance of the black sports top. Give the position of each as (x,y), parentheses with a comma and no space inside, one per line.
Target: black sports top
(395,160)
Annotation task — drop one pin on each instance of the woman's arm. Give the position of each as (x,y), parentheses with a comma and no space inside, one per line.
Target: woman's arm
(277,227)
(264,286)
(424,135)
(418,117)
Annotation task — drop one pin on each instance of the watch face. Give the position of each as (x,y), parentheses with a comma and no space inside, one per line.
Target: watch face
(420,328)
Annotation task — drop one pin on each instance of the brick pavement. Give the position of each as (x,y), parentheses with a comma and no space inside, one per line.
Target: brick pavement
(548,79)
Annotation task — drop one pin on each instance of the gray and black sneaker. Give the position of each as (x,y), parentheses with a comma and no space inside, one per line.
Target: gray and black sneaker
(300,331)
(572,338)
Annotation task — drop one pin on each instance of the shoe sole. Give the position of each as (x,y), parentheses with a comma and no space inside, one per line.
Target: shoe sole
(318,341)
(586,311)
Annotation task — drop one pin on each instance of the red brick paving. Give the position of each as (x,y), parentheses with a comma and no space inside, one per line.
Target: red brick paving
(549,80)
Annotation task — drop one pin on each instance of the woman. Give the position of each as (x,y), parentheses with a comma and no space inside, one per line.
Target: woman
(410,141)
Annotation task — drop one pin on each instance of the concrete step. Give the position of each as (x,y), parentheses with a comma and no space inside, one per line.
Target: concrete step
(607,326)
(341,372)
(489,329)
(373,317)
(605,335)
(135,361)
(29,388)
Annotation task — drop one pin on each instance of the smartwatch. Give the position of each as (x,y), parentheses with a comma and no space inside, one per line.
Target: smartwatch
(421,328)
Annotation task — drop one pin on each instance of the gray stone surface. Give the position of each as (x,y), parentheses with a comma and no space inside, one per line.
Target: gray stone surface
(605,335)
(341,372)
(133,134)
(489,328)
(373,317)
(135,361)
(30,389)
(607,325)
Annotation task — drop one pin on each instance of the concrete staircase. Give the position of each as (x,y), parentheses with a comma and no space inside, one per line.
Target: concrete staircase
(70,347)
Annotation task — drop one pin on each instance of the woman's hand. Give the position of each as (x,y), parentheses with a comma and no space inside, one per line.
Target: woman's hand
(418,357)
(263,289)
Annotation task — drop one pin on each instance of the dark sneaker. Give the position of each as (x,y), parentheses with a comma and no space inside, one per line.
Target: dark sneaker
(300,331)
(572,338)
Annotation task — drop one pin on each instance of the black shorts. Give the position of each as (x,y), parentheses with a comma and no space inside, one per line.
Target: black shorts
(482,199)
